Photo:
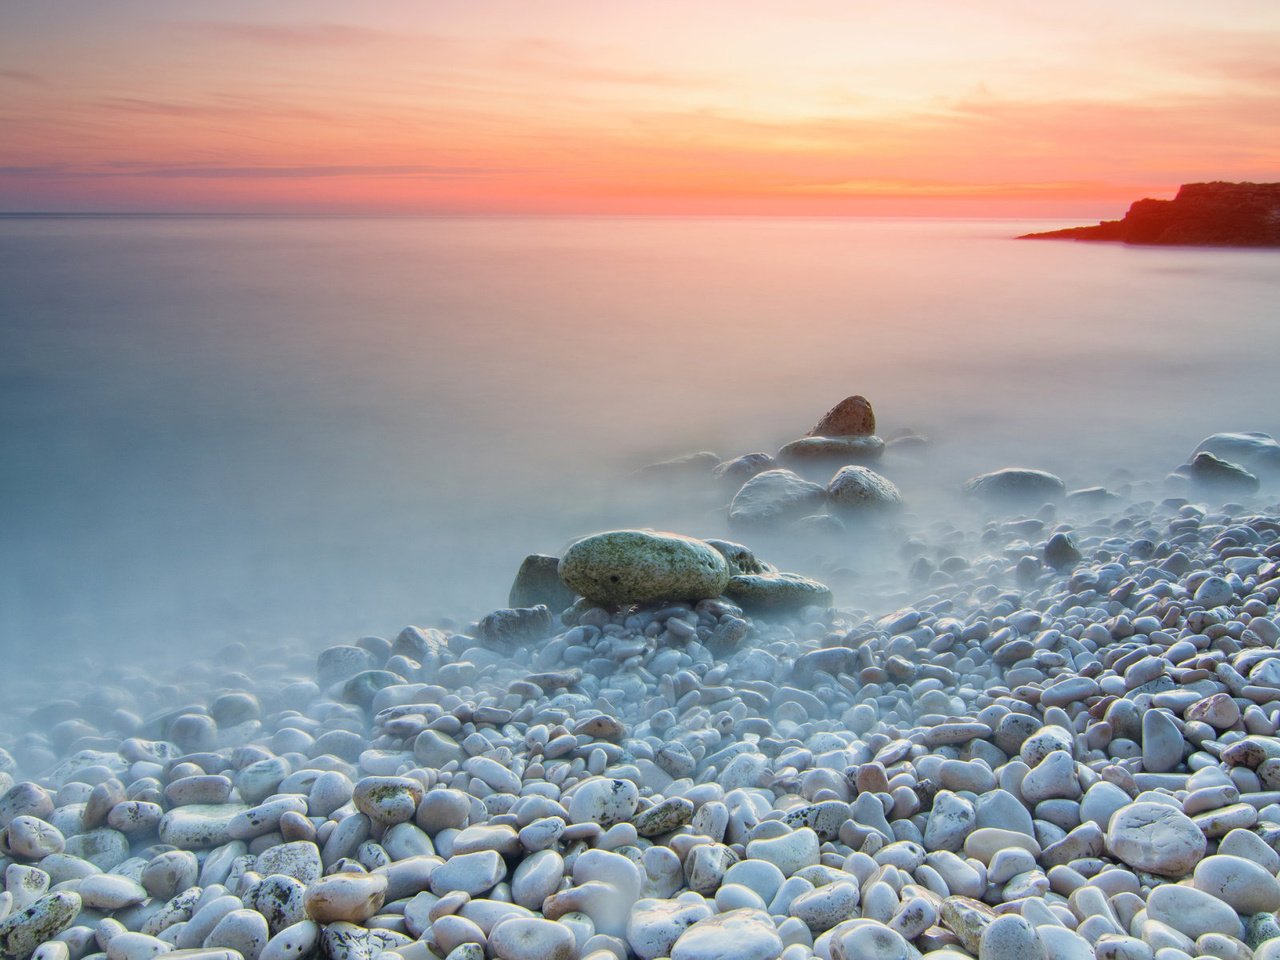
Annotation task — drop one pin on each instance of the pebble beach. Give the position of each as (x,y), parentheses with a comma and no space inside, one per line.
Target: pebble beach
(1062,745)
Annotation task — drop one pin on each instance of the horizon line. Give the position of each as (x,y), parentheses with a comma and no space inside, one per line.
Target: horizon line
(320,215)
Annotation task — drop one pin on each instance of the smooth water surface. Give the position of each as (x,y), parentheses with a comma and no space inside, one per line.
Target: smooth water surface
(225,428)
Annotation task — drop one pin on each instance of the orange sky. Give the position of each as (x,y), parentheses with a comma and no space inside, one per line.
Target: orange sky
(830,107)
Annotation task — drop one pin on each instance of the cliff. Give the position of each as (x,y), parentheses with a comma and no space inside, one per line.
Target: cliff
(1202,214)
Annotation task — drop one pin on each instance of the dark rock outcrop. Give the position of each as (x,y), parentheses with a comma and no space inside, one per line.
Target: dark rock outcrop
(1215,214)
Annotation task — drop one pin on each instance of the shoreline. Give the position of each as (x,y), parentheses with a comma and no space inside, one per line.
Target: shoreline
(983,765)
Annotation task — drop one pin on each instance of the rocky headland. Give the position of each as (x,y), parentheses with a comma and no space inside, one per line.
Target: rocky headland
(1217,214)
(1063,746)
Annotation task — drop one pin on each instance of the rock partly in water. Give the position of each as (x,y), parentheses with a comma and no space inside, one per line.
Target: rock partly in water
(632,566)
(855,490)
(693,465)
(1214,474)
(1060,551)
(538,582)
(777,593)
(1253,451)
(1016,485)
(851,417)
(741,469)
(1216,214)
(832,450)
(775,496)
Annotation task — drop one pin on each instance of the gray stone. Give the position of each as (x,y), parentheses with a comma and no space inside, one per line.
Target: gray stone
(743,934)
(855,490)
(516,627)
(538,584)
(1016,485)
(773,497)
(776,593)
(1157,838)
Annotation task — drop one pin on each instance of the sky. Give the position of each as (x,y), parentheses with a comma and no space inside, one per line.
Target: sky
(720,107)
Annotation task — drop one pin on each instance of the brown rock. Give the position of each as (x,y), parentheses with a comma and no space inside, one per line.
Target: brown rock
(851,417)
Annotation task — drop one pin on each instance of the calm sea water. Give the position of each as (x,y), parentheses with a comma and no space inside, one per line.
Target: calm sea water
(245,428)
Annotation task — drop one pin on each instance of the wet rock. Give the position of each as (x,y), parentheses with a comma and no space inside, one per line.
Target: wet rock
(851,417)
(630,566)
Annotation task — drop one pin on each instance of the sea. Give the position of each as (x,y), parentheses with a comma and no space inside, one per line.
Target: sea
(239,429)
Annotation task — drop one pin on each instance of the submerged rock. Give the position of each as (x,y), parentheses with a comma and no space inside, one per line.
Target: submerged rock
(690,465)
(741,469)
(1253,451)
(857,489)
(774,496)
(1017,485)
(538,581)
(632,566)
(1213,473)
(843,449)
(776,592)
(851,417)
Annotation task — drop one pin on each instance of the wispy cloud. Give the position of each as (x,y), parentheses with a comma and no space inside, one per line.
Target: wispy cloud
(23,76)
(124,168)
(552,59)
(286,34)
(215,106)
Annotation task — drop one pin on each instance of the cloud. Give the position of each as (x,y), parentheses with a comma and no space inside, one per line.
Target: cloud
(131,169)
(287,35)
(23,76)
(554,60)
(224,106)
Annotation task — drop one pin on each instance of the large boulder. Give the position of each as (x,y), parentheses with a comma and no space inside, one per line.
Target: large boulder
(832,449)
(775,496)
(851,417)
(1016,485)
(632,566)
(856,489)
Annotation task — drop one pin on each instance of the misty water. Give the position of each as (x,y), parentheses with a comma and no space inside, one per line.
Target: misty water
(245,428)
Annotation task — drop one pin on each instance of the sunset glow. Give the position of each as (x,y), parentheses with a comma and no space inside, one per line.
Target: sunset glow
(809,107)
